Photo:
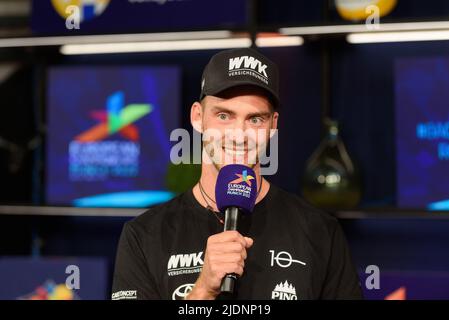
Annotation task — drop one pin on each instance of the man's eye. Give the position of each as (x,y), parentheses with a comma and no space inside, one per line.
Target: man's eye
(223,116)
(256,120)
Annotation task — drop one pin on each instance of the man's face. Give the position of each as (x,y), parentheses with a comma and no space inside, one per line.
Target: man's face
(235,126)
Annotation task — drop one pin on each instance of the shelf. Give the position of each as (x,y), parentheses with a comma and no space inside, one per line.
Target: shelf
(392,214)
(282,36)
(70,211)
(133,212)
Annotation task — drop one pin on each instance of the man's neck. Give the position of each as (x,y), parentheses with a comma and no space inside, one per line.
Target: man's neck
(206,194)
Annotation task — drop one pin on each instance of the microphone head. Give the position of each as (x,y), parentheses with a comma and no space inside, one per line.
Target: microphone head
(236,187)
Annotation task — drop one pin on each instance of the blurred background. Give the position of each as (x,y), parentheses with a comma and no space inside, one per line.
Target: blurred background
(91,90)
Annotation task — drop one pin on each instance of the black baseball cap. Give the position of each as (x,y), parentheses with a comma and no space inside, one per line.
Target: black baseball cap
(240,67)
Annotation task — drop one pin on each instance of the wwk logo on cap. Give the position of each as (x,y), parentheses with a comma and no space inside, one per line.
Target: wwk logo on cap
(248,63)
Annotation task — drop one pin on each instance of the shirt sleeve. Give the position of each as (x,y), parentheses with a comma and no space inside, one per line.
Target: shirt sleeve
(342,281)
(132,278)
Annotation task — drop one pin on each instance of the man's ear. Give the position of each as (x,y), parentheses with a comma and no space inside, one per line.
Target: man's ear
(196,116)
(274,123)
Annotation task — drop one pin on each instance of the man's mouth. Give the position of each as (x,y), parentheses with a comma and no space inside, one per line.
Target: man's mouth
(235,152)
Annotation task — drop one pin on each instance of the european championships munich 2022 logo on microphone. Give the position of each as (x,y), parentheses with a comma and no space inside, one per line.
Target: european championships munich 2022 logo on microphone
(236,187)
(241,186)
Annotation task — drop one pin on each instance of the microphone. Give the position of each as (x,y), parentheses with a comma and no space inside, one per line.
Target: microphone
(235,194)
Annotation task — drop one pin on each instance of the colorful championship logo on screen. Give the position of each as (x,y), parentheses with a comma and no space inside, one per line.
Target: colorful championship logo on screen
(117,118)
(93,157)
(88,9)
(50,291)
(360,9)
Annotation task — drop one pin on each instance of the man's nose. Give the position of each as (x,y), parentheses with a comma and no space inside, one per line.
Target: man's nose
(238,133)
(239,125)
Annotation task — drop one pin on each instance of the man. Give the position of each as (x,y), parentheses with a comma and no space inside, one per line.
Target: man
(284,250)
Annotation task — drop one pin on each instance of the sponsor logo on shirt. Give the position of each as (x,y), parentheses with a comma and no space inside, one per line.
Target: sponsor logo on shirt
(125,295)
(185,263)
(283,259)
(182,291)
(284,291)
(248,66)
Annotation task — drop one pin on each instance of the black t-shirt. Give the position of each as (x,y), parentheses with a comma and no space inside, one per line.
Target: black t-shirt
(298,252)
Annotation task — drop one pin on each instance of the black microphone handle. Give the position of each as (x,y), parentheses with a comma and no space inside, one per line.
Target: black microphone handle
(232,215)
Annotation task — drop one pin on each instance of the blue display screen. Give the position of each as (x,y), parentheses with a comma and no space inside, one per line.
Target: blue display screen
(422,126)
(118,16)
(108,131)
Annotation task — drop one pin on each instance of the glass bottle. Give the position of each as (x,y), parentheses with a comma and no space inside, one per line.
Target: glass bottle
(331,181)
